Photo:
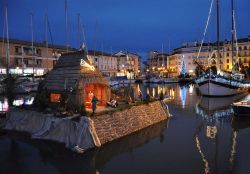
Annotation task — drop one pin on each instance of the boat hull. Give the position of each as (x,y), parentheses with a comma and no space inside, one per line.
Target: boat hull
(218,89)
(241,111)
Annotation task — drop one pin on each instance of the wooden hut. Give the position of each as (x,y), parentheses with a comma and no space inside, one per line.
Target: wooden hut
(76,77)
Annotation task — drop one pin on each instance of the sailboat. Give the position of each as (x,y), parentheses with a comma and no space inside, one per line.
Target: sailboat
(216,85)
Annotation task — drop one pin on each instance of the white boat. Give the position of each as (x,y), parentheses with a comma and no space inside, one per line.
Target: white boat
(220,87)
(216,85)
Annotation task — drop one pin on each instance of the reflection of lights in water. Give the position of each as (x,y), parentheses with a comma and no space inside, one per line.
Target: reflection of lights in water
(183,93)
(233,150)
(171,93)
(153,92)
(147,91)
(4,106)
(216,114)
(211,131)
(191,89)
(202,155)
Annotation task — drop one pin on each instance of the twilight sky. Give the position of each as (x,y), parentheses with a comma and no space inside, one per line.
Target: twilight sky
(133,25)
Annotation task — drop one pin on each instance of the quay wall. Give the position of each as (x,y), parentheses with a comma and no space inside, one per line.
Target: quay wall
(88,132)
(110,127)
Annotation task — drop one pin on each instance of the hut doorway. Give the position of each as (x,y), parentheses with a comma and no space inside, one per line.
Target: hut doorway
(100,91)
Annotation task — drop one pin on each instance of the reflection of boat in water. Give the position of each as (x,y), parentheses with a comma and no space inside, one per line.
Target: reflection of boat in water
(212,108)
(242,108)
(212,104)
(240,123)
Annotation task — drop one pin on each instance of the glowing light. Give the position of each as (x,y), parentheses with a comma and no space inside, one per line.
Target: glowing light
(191,89)
(83,63)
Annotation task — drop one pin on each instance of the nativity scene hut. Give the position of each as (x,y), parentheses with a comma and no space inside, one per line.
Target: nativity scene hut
(74,76)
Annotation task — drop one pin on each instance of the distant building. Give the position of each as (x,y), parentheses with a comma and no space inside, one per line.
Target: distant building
(158,62)
(105,62)
(127,64)
(208,56)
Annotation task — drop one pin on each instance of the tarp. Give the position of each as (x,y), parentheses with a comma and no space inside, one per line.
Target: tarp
(41,126)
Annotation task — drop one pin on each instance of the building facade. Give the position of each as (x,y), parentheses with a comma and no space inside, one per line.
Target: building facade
(127,64)
(208,55)
(105,62)
(22,60)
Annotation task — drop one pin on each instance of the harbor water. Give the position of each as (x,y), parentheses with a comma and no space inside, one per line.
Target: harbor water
(202,136)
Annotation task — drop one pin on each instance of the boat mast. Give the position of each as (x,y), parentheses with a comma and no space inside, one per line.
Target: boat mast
(32,44)
(79,29)
(66,26)
(218,34)
(46,42)
(8,44)
(233,27)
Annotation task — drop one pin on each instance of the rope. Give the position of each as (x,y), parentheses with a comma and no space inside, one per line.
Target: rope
(236,40)
(204,34)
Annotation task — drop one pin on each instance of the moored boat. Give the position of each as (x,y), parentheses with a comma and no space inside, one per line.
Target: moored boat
(242,108)
(220,87)
(212,83)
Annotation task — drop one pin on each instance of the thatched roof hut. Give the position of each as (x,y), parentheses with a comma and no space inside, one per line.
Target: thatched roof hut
(75,75)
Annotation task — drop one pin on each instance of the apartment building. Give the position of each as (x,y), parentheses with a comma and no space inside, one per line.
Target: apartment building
(22,60)
(127,64)
(188,53)
(105,62)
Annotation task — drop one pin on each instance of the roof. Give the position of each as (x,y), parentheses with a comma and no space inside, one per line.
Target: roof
(73,70)
(36,44)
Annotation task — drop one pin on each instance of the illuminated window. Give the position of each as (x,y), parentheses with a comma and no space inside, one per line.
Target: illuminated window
(54,98)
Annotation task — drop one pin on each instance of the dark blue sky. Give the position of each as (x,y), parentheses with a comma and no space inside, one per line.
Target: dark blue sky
(133,25)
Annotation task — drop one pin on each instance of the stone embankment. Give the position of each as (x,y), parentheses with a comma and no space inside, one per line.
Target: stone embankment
(89,132)
(119,124)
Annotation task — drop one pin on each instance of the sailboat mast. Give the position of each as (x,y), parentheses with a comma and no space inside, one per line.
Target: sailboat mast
(218,33)
(66,26)
(233,27)
(32,43)
(46,40)
(8,44)
(79,29)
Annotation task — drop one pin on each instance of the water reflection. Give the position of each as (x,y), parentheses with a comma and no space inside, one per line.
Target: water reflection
(216,116)
(213,142)
(60,160)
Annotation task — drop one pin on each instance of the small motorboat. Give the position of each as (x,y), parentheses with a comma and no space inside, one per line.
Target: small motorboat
(242,108)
